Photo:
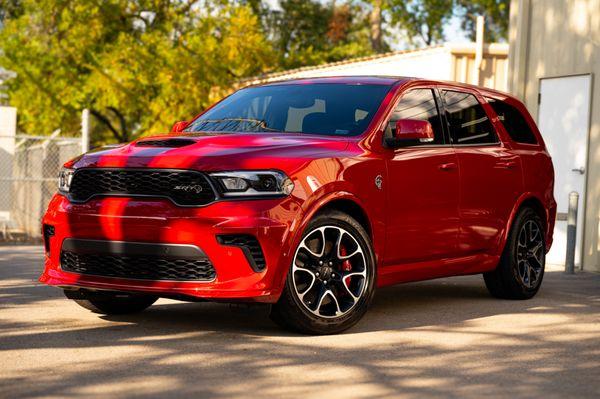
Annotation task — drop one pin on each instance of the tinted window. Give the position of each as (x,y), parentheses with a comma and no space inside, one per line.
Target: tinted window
(331,109)
(468,121)
(418,104)
(514,122)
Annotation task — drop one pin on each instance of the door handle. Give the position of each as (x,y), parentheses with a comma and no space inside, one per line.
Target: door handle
(447,166)
(581,170)
(506,164)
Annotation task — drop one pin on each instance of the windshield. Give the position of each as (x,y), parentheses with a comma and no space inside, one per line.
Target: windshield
(329,109)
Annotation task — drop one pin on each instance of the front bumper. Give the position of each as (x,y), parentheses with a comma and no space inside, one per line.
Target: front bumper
(161,222)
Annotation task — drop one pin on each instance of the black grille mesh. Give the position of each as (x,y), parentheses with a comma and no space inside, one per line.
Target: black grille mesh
(249,244)
(182,187)
(137,267)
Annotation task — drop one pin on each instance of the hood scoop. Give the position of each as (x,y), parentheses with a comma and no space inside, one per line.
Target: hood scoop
(165,143)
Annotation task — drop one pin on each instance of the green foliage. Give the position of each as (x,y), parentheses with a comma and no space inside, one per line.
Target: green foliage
(423,20)
(138,65)
(495,13)
(309,32)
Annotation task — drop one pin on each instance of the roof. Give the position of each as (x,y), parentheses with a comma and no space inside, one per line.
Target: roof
(370,80)
(384,80)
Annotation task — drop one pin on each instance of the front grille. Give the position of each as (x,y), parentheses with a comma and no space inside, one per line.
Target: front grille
(249,245)
(137,267)
(183,187)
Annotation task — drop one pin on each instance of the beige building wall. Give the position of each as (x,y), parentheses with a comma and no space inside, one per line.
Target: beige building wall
(450,61)
(551,38)
(493,69)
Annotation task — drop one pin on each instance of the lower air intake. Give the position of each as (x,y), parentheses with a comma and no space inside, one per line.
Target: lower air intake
(249,245)
(139,261)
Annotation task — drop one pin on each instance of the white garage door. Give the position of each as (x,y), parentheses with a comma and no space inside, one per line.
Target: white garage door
(564,117)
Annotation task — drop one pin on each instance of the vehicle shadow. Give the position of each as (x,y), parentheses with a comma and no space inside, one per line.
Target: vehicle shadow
(441,338)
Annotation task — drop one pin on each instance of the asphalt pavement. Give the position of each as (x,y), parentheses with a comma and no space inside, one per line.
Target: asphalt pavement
(444,338)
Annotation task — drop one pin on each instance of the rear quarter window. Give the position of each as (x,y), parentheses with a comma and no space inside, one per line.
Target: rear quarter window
(468,121)
(514,122)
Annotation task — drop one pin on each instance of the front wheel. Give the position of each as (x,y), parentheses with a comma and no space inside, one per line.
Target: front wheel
(521,269)
(111,303)
(331,281)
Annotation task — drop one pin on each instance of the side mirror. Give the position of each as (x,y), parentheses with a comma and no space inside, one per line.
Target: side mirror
(179,126)
(410,132)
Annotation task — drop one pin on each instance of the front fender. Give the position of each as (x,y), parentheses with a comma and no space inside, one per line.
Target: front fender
(355,184)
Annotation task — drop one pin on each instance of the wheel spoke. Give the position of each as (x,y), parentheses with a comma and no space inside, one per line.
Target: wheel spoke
(533,275)
(352,274)
(321,297)
(315,254)
(344,257)
(347,287)
(537,247)
(338,311)
(312,282)
(533,232)
(538,263)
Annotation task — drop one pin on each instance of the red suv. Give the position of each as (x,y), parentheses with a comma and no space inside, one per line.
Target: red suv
(309,194)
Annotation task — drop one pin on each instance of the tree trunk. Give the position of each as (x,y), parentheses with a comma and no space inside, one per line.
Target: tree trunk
(120,137)
(376,21)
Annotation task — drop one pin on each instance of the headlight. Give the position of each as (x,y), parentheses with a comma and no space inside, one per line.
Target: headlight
(65,177)
(253,183)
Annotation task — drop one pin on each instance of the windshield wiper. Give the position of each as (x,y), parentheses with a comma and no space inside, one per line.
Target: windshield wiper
(230,125)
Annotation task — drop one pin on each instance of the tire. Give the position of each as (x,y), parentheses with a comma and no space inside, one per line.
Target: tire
(520,271)
(111,303)
(350,277)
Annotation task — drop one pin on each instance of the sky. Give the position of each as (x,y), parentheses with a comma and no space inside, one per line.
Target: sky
(453,31)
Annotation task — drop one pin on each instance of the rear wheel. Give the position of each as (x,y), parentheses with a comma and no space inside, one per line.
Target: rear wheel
(105,302)
(331,281)
(521,269)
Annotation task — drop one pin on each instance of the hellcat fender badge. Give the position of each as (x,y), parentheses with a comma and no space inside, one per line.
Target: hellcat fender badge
(379,181)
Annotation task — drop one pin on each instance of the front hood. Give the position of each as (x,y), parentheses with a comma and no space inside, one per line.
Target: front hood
(210,152)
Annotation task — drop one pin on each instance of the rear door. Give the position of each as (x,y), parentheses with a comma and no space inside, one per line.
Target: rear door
(422,194)
(490,173)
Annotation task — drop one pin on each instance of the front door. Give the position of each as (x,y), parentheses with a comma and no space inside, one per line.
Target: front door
(563,119)
(422,194)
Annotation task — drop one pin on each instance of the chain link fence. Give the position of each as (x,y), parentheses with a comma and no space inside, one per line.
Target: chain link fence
(29,167)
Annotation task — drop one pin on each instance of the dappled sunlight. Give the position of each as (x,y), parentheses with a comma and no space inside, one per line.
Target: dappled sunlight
(579,17)
(436,338)
(137,386)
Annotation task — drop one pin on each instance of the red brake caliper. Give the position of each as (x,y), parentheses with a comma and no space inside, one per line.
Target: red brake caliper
(346,265)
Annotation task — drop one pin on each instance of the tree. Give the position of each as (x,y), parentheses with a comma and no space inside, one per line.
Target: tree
(423,20)
(376,21)
(310,32)
(496,13)
(138,65)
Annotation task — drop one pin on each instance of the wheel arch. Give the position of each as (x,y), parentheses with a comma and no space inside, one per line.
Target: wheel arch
(351,208)
(346,202)
(529,200)
(535,204)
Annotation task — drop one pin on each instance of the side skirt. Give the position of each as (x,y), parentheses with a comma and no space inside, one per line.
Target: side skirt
(403,273)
